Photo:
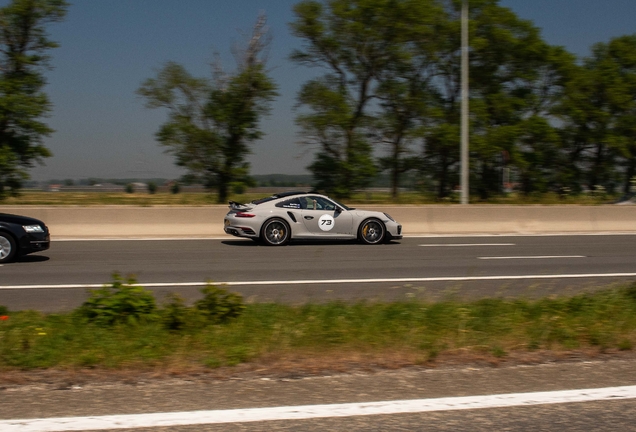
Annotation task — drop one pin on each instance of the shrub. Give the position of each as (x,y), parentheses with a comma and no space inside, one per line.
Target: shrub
(4,310)
(174,313)
(219,305)
(123,302)
(130,188)
(152,187)
(175,188)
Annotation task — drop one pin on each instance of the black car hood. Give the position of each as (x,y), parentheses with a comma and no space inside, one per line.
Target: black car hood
(19,220)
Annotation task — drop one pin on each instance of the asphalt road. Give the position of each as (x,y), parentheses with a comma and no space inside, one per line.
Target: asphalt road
(429,267)
(141,395)
(300,272)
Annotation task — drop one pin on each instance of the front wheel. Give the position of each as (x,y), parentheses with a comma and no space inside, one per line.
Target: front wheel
(275,232)
(371,231)
(7,248)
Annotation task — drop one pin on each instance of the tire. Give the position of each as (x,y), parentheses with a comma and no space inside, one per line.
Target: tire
(275,232)
(371,231)
(8,248)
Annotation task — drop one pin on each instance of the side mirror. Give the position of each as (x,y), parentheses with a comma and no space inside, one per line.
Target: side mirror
(339,209)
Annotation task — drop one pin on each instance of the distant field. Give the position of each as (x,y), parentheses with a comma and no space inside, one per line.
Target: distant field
(64,198)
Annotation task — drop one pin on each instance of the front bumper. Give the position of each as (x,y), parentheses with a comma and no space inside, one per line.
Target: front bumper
(31,243)
(394,231)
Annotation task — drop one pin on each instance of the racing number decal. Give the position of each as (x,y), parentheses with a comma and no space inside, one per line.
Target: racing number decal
(326,222)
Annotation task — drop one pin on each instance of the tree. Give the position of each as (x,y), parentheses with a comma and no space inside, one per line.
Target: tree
(24,45)
(344,38)
(211,122)
(515,78)
(614,69)
(405,84)
(598,112)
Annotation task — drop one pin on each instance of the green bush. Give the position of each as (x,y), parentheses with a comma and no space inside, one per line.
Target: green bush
(175,188)
(123,302)
(152,188)
(219,305)
(130,188)
(174,314)
(4,310)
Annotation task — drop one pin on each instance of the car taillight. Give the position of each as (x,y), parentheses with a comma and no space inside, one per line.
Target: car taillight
(244,215)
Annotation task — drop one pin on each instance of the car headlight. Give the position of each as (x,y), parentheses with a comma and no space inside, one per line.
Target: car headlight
(33,228)
(386,214)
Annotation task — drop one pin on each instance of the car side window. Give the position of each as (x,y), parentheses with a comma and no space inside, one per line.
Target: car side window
(290,204)
(318,203)
(306,203)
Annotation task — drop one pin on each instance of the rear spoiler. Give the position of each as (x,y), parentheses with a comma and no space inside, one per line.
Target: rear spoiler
(240,207)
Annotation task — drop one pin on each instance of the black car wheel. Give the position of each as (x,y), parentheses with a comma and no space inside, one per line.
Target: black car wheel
(275,232)
(371,231)
(7,247)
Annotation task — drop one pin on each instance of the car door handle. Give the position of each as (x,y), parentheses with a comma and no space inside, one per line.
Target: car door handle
(309,217)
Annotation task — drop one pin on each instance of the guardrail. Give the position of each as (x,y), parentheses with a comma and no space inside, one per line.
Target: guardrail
(207,221)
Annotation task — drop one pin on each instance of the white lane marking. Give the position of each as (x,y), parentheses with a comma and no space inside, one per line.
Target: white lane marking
(304,412)
(531,257)
(228,237)
(336,281)
(95,239)
(517,234)
(466,244)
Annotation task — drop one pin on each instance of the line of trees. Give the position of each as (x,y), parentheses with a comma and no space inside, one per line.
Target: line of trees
(386,100)
(391,85)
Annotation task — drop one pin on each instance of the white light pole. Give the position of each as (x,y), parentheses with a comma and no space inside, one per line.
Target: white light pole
(464,114)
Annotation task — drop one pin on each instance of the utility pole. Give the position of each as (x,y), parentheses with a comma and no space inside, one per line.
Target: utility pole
(464,114)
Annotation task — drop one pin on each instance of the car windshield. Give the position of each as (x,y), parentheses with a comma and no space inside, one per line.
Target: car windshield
(342,205)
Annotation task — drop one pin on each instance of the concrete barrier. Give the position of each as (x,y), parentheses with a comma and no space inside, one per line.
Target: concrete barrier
(207,221)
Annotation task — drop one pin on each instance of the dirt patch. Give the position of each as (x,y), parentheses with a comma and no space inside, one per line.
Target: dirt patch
(293,366)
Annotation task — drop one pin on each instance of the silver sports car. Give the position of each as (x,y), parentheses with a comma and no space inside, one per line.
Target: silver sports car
(277,219)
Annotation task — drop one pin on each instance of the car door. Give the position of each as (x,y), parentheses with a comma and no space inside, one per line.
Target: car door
(321,218)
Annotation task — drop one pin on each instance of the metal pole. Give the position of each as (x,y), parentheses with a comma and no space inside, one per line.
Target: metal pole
(464,108)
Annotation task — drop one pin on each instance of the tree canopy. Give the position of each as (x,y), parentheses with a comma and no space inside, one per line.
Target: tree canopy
(211,122)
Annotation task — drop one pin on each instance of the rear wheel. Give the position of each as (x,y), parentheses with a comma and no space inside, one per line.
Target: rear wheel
(7,248)
(371,231)
(275,232)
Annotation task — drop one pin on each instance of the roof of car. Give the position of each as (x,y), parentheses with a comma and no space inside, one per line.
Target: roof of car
(290,193)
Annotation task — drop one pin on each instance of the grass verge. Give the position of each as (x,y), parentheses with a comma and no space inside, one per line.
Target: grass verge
(408,332)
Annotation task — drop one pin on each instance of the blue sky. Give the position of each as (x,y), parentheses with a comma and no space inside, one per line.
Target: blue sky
(108,47)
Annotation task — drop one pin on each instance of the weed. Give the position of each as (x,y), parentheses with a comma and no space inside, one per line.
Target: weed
(625,345)
(498,351)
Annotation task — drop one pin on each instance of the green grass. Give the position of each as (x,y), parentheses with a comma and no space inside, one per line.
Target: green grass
(202,199)
(602,321)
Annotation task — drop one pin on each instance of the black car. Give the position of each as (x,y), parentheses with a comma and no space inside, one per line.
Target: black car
(21,235)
